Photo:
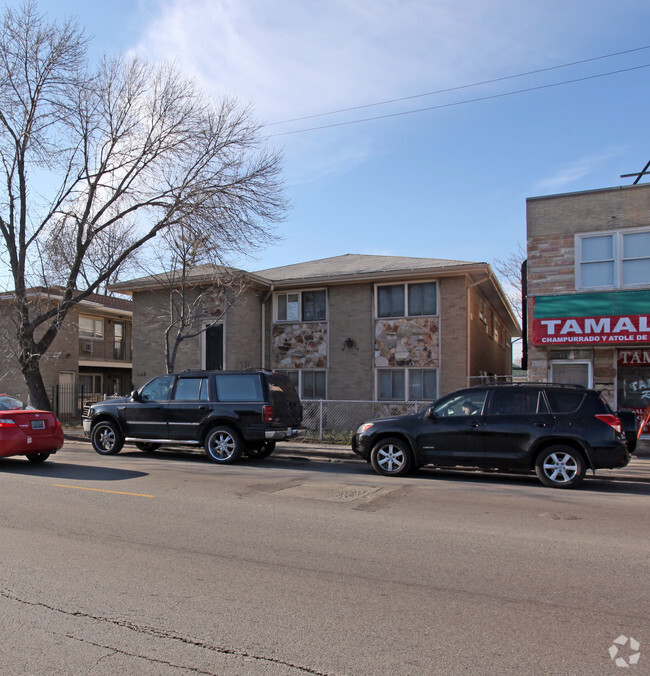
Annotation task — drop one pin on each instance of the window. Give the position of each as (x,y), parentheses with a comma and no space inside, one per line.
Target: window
(423,385)
(614,260)
(422,300)
(515,401)
(239,387)
(192,389)
(308,384)
(89,327)
(314,385)
(157,389)
(394,384)
(306,306)
(467,403)
(118,343)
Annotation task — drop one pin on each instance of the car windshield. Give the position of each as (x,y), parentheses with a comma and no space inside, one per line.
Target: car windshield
(10,404)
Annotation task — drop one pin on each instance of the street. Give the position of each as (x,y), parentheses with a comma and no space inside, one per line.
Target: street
(167,564)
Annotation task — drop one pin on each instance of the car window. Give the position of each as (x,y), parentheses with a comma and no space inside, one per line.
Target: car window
(241,387)
(191,389)
(516,401)
(464,404)
(564,401)
(157,389)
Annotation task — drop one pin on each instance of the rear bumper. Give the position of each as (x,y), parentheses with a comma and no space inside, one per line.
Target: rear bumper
(19,443)
(281,434)
(610,457)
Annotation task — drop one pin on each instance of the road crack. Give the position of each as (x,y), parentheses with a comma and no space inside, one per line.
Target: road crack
(158,633)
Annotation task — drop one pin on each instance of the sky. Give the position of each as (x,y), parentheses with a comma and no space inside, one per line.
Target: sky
(433,174)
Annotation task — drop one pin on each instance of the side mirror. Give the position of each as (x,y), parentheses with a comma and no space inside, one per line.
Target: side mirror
(430,414)
(135,396)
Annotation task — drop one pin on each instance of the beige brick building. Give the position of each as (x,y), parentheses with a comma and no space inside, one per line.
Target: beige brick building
(588,288)
(89,358)
(352,327)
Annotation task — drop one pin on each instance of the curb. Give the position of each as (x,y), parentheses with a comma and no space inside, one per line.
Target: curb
(638,470)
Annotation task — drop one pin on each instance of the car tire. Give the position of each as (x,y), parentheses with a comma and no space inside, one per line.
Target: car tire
(560,467)
(391,457)
(223,445)
(106,438)
(146,446)
(260,452)
(38,457)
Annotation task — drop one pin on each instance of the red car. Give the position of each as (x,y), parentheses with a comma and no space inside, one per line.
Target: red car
(27,431)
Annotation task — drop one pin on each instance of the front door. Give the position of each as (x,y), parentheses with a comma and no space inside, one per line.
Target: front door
(144,417)
(452,434)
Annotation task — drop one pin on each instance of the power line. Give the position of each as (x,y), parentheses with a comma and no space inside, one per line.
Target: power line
(456,103)
(460,87)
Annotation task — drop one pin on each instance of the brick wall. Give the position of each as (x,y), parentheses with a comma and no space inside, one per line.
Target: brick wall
(453,334)
(552,223)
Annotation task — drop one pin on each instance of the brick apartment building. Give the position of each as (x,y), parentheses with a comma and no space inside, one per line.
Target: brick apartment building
(351,327)
(89,358)
(588,287)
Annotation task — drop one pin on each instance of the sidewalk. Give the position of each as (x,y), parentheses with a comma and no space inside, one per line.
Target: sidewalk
(637,470)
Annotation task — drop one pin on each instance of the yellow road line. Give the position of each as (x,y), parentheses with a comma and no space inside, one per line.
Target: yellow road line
(101,490)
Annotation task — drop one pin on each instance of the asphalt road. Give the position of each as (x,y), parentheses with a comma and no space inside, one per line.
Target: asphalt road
(167,564)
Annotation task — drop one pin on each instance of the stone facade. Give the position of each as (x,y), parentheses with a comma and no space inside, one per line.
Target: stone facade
(350,344)
(407,342)
(299,346)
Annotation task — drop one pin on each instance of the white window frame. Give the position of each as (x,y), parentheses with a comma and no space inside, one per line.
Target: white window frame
(97,321)
(406,285)
(565,362)
(300,317)
(300,388)
(407,382)
(617,256)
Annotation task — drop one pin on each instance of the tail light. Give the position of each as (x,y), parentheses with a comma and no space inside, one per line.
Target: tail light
(611,420)
(7,422)
(268,413)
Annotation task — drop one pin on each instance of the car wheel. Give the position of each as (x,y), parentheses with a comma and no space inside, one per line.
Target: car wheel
(259,452)
(223,445)
(391,457)
(106,438)
(38,457)
(146,446)
(560,467)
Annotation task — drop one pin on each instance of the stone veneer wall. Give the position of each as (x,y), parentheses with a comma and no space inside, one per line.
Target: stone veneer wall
(299,345)
(407,342)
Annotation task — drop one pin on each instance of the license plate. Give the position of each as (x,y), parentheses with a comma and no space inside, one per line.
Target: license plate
(38,424)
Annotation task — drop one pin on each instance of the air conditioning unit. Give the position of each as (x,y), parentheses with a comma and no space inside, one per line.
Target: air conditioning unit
(87,347)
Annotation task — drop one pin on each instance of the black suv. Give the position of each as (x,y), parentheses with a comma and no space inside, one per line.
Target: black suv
(228,412)
(558,431)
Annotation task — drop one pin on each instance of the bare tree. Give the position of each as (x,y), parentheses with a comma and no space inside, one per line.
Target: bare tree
(509,270)
(200,287)
(131,150)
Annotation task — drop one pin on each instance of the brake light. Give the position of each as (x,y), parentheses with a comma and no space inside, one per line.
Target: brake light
(611,420)
(7,422)
(268,413)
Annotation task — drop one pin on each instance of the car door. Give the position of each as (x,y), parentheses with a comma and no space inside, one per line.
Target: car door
(516,416)
(144,416)
(188,407)
(451,432)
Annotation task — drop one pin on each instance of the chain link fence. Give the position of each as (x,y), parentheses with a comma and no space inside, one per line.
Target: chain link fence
(335,421)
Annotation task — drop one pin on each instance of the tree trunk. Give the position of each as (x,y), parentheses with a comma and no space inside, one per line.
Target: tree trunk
(34,381)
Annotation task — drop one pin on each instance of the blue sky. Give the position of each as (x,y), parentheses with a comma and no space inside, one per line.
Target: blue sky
(450,182)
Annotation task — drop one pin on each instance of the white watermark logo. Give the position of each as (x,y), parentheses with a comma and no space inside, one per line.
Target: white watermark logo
(632,652)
